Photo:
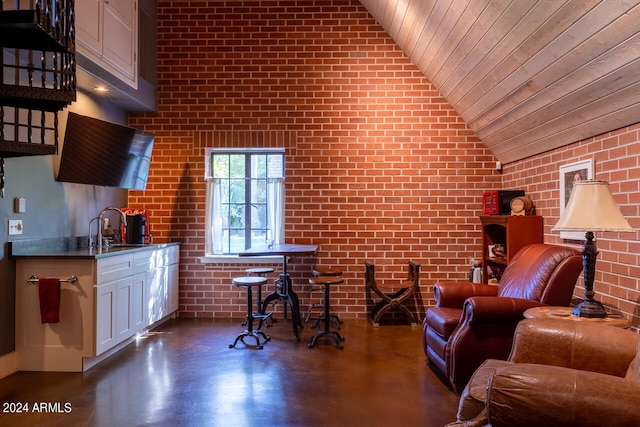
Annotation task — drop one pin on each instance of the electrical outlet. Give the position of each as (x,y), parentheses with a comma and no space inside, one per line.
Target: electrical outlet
(15,226)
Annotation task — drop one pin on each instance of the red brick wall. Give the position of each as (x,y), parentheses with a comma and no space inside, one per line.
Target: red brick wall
(379,167)
(616,157)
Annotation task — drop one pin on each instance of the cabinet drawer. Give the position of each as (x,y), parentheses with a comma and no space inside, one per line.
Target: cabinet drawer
(142,261)
(114,268)
(173,254)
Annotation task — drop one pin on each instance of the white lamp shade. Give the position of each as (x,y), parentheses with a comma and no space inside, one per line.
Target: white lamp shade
(591,207)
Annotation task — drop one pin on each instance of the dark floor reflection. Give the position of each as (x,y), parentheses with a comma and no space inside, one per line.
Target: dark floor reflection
(184,374)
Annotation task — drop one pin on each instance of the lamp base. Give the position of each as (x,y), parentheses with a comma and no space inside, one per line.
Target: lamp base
(592,309)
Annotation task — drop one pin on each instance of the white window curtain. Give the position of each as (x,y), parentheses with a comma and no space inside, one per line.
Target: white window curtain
(275,205)
(213,239)
(214,220)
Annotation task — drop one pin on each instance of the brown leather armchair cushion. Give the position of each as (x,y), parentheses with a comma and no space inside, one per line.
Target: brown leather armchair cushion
(555,396)
(559,372)
(472,322)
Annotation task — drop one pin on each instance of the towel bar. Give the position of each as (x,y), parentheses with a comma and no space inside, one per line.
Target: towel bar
(70,279)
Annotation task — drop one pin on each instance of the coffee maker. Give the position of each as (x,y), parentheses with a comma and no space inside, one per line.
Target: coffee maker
(136,229)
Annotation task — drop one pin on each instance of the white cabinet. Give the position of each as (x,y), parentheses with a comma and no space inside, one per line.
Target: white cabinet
(115,307)
(125,300)
(173,291)
(114,301)
(114,298)
(162,284)
(139,302)
(134,291)
(105,320)
(107,33)
(156,290)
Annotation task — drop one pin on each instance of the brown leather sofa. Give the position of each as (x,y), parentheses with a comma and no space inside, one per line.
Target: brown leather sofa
(559,373)
(471,322)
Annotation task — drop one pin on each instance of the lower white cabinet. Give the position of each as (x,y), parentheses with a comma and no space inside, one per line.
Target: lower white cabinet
(125,301)
(145,291)
(114,298)
(105,320)
(139,302)
(173,292)
(114,301)
(118,304)
(157,295)
(161,271)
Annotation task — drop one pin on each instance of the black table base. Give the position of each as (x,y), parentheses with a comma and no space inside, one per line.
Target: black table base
(288,297)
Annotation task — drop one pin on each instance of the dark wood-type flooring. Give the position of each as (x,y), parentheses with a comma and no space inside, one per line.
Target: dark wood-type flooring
(184,374)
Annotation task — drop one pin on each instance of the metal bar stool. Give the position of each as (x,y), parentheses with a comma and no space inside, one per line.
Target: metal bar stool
(249,282)
(260,314)
(325,272)
(327,282)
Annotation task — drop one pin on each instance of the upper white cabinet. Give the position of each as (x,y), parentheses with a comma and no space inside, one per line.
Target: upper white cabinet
(107,33)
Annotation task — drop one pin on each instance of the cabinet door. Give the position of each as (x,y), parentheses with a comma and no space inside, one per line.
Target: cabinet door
(107,34)
(120,29)
(157,295)
(123,310)
(105,320)
(139,302)
(173,290)
(89,25)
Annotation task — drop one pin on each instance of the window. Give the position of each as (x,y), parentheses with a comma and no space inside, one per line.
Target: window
(245,199)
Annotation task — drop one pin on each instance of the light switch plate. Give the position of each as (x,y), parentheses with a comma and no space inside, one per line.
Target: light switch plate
(15,226)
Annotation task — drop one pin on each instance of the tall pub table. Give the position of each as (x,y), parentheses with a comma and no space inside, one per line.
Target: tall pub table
(285,293)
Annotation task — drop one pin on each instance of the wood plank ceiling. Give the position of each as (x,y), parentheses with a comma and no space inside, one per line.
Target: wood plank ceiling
(527,76)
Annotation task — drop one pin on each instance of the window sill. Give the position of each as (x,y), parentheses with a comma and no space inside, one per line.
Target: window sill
(235,259)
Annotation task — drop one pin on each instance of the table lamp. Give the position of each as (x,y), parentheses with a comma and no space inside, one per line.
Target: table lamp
(591,207)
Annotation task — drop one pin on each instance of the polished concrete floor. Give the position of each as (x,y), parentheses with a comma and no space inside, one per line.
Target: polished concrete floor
(184,374)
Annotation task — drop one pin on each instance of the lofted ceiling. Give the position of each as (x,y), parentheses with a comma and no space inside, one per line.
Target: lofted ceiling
(527,76)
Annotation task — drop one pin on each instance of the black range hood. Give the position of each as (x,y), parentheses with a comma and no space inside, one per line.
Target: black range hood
(97,152)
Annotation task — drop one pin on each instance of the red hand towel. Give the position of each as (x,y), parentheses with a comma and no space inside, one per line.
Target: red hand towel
(49,291)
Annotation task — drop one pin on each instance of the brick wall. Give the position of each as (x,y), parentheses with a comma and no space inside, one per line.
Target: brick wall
(616,157)
(379,167)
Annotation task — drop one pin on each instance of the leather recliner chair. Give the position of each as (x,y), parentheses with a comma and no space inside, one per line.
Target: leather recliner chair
(559,373)
(472,322)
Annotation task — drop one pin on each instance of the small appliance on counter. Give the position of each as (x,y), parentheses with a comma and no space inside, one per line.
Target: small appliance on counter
(136,231)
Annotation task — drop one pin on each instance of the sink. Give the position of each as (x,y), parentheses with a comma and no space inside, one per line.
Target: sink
(119,247)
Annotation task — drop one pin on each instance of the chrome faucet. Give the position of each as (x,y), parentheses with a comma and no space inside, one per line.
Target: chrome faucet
(91,243)
(123,218)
